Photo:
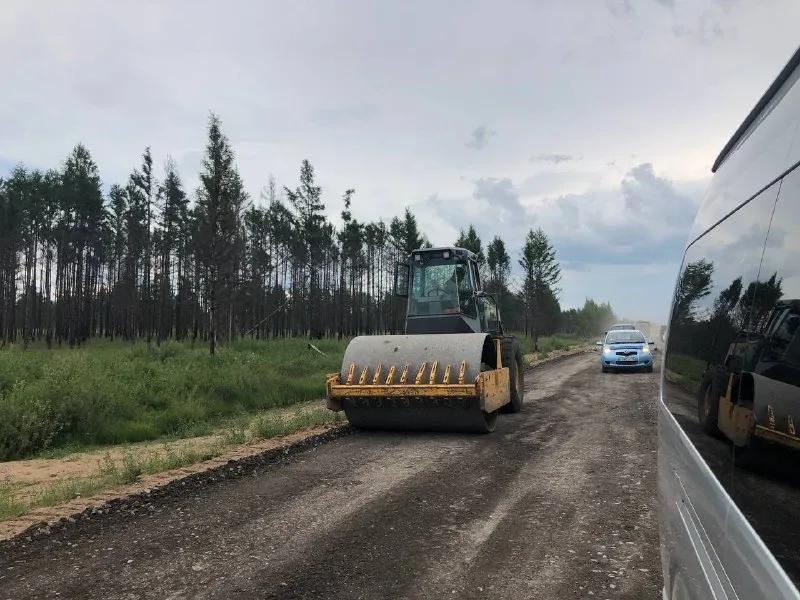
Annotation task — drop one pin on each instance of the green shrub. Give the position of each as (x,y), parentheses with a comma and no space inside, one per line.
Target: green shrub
(112,393)
(549,343)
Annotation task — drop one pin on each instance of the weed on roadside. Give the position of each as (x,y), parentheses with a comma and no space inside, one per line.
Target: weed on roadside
(549,343)
(234,436)
(65,490)
(10,505)
(265,427)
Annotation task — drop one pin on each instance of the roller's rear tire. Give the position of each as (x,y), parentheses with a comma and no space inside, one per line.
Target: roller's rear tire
(512,358)
(713,385)
(491,422)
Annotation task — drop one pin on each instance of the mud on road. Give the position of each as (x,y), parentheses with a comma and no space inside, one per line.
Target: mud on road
(558,502)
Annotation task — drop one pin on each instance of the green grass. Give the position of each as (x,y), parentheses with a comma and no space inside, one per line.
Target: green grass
(10,505)
(115,393)
(549,343)
(109,474)
(135,466)
(685,372)
(56,402)
(132,466)
(65,490)
(266,428)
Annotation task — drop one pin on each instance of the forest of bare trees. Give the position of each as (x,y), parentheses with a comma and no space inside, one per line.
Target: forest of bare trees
(151,260)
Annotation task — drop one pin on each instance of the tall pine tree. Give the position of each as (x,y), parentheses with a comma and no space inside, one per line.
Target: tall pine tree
(542,275)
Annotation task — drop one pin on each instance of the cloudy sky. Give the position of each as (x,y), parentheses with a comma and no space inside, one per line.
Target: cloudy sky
(597,120)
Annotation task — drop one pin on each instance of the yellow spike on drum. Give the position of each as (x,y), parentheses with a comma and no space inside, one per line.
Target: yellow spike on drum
(350,373)
(363,379)
(377,377)
(462,371)
(432,378)
(404,376)
(418,378)
(390,376)
(446,378)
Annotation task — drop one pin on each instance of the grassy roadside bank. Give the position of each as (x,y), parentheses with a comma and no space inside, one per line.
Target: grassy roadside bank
(60,401)
(118,413)
(551,343)
(48,482)
(115,393)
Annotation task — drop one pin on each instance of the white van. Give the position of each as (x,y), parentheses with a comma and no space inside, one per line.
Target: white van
(729,412)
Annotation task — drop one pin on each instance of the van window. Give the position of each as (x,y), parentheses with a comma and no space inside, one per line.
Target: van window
(766,475)
(712,303)
(711,314)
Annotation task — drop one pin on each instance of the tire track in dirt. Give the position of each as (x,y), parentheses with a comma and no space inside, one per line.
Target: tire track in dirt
(476,559)
(557,528)
(617,553)
(220,539)
(412,523)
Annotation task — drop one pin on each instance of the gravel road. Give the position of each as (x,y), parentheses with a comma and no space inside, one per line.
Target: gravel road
(557,503)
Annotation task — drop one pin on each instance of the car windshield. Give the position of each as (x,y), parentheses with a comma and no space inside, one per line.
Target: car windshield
(620,327)
(625,337)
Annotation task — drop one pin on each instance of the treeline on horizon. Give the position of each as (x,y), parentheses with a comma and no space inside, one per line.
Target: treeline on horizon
(144,262)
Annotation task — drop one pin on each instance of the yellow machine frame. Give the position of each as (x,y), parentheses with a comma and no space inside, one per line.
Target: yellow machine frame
(738,423)
(491,388)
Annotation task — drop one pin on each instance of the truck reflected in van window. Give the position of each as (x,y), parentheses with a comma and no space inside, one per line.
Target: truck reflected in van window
(729,416)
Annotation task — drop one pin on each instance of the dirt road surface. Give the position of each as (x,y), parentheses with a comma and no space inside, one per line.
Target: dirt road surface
(557,503)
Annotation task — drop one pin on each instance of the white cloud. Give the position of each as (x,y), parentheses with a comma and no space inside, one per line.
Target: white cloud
(381,97)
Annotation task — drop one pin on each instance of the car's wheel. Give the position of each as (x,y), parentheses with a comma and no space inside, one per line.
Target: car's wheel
(605,369)
(649,368)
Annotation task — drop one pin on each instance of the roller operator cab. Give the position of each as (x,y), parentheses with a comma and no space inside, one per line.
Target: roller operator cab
(454,369)
(443,289)
(729,411)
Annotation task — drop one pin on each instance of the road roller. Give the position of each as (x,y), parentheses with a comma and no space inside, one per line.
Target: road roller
(455,367)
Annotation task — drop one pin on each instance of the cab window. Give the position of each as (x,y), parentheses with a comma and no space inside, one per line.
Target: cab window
(437,286)
(492,314)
